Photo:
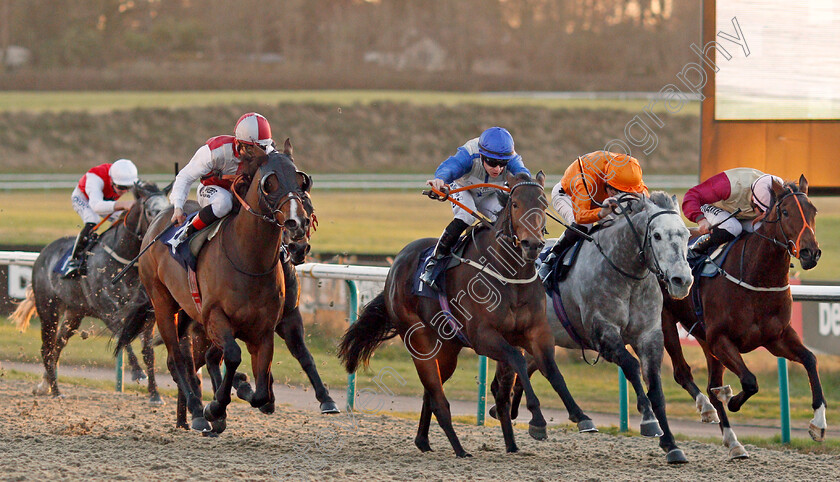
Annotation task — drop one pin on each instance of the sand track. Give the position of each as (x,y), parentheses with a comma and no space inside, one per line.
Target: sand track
(94,434)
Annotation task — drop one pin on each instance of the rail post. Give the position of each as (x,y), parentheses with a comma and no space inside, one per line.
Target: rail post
(482,389)
(784,400)
(119,371)
(623,410)
(352,314)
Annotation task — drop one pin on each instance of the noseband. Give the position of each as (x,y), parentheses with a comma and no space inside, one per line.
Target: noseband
(792,247)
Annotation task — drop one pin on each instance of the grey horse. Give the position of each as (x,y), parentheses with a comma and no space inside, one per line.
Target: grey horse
(612,298)
(63,303)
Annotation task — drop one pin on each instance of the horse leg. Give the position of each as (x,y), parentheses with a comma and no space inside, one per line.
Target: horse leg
(66,330)
(290,330)
(542,349)
(149,360)
(221,334)
(213,361)
(790,346)
(137,374)
(493,345)
(730,441)
(165,309)
(501,388)
(261,355)
(682,371)
(447,361)
(649,351)
(726,351)
(613,350)
(50,320)
(181,411)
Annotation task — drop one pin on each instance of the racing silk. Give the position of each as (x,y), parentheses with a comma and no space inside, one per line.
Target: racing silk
(465,168)
(585,181)
(97,187)
(728,190)
(216,158)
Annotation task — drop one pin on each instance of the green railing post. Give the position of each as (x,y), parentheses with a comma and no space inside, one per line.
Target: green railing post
(352,314)
(623,410)
(784,400)
(482,389)
(119,371)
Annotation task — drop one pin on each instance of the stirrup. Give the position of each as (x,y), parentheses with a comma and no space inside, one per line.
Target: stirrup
(180,237)
(72,268)
(426,276)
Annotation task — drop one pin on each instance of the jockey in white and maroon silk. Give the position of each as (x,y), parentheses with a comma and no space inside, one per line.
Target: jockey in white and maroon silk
(95,197)
(712,203)
(213,163)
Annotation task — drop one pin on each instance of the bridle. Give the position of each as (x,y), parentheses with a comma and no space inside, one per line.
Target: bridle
(507,232)
(643,242)
(791,246)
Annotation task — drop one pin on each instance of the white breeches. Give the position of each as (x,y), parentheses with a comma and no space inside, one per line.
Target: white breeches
(221,199)
(717,215)
(83,209)
(562,202)
(487,204)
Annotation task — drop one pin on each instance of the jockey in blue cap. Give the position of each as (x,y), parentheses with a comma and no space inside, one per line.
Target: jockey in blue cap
(485,159)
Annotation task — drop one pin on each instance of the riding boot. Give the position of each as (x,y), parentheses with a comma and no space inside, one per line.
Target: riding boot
(204,218)
(708,242)
(568,239)
(74,264)
(442,250)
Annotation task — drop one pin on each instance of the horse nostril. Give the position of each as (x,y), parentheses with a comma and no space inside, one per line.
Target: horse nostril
(291,224)
(817,256)
(677,281)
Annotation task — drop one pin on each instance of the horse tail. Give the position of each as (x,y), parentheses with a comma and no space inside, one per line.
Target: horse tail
(135,313)
(24,311)
(368,332)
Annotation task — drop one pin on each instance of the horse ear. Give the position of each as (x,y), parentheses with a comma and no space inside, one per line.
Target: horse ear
(510,179)
(676,203)
(287,147)
(168,188)
(304,180)
(541,178)
(803,184)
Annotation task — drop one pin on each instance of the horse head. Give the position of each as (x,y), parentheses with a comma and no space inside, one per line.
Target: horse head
(667,243)
(279,195)
(148,202)
(524,219)
(793,214)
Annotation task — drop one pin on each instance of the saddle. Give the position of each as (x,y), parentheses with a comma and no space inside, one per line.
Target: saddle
(61,266)
(706,266)
(420,288)
(186,254)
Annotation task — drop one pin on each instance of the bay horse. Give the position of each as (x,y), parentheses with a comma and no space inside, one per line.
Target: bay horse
(611,298)
(61,303)
(495,316)
(240,279)
(748,306)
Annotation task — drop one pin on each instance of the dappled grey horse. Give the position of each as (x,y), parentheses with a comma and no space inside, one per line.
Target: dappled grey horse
(62,303)
(612,298)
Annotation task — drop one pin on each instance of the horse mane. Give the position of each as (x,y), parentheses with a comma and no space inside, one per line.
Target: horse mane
(664,200)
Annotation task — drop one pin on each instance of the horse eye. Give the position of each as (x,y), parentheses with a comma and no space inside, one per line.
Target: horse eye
(513,203)
(657,236)
(784,212)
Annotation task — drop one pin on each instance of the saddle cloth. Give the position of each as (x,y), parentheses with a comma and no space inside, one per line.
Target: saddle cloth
(186,254)
(420,288)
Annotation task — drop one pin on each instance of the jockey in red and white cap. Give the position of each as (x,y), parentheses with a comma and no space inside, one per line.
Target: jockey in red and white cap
(711,204)
(220,156)
(96,196)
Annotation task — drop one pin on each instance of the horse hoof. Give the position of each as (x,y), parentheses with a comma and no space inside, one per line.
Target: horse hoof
(58,396)
(219,426)
(200,424)
(329,407)
(651,429)
(214,411)
(139,377)
(244,391)
(587,426)
(738,452)
(423,445)
(676,456)
(723,393)
(238,379)
(816,433)
(268,408)
(209,434)
(709,417)
(156,401)
(512,449)
(492,412)
(537,433)
(464,455)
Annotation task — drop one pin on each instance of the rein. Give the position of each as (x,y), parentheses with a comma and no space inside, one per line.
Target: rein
(791,246)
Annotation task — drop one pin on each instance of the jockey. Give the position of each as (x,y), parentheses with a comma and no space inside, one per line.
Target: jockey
(587,191)
(95,197)
(711,204)
(219,158)
(485,159)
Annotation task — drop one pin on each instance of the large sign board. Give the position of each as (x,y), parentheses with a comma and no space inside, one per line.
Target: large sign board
(771,88)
